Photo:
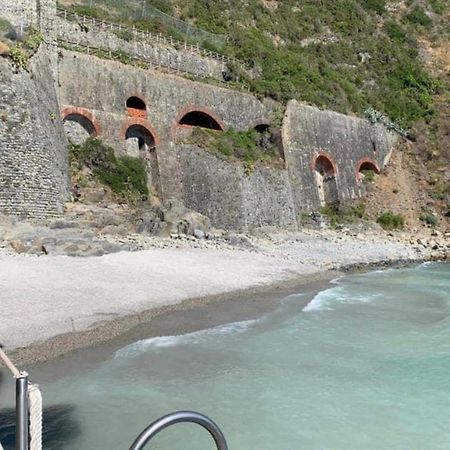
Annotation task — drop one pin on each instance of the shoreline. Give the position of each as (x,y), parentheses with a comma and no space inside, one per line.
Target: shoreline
(59,304)
(201,313)
(187,317)
(192,314)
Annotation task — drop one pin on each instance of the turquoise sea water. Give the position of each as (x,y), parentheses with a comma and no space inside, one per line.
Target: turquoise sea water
(366,365)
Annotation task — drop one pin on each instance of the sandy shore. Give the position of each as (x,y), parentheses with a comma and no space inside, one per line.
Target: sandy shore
(53,304)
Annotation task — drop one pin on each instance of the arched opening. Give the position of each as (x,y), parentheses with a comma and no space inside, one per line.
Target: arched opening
(324,166)
(78,128)
(200,119)
(269,138)
(262,128)
(141,144)
(139,138)
(136,107)
(366,170)
(325,172)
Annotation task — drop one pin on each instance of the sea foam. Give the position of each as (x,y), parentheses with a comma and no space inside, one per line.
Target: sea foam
(196,337)
(325,300)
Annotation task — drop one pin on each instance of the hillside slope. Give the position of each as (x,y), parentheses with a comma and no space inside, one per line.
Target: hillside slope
(345,55)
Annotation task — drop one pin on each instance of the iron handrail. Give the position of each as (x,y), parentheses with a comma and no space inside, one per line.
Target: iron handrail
(146,34)
(177,417)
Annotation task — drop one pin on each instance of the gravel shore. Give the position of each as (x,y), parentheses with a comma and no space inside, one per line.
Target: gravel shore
(57,303)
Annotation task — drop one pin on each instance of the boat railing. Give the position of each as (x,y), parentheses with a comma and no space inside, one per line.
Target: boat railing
(29,417)
(178,417)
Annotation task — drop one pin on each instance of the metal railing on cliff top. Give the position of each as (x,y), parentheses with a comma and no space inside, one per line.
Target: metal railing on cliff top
(133,60)
(157,38)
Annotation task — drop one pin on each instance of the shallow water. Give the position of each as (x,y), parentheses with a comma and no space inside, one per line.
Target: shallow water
(366,365)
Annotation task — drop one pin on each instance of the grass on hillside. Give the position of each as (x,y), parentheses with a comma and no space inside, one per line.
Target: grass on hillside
(344,55)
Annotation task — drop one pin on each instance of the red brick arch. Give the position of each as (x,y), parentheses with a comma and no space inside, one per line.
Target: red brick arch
(132,112)
(326,155)
(194,108)
(366,161)
(85,113)
(131,121)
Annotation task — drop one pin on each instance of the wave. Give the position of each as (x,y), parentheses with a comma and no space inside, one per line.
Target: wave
(196,337)
(325,300)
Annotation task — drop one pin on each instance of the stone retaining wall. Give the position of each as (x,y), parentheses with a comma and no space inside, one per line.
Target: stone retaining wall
(161,53)
(34,172)
(346,141)
(324,151)
(230,196)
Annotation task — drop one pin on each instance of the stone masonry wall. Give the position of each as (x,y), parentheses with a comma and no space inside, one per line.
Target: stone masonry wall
(214,187)
(160,53)
(40,14)
(205,183)
(19,12)
(103,87)
(309,132)
(231,198)
(34,181)
(34,173)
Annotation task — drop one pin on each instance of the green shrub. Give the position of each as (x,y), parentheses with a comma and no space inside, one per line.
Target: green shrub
(368,175)
(19,57)
(33,39)
(378,6)
(439,6)
(357,211)
(249,146)
(5,28)
(163,5)
(325,71)
(338,215)
(390,221)
(124,34)
(429,219)
(395,31)
(21,52)
(418,17)
(332,213)
(92,154)
(85,10)
(126,176)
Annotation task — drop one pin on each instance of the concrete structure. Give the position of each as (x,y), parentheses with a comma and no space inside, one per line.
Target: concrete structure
(148,114)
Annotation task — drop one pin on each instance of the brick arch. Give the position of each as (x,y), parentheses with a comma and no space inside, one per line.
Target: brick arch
(86,114)
(323,153)
(132,121)
(133,112)
(368,162)
(194,108)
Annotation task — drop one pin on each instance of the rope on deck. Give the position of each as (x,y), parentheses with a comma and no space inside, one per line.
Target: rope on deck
(34,405)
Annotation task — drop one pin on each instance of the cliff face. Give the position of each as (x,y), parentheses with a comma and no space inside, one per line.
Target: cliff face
(34,172)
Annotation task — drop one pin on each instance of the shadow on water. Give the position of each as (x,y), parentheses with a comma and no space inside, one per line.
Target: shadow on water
(59,428)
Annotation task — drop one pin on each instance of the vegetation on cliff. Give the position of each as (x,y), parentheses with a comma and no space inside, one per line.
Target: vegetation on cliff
(125,176)
(19,47)
(251,146)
